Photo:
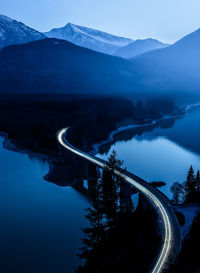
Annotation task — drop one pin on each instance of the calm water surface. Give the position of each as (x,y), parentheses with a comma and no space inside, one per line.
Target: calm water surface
(40,223)
(162,153)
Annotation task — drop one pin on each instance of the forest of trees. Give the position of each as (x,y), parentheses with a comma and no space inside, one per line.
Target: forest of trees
(189,191)
(116,239)
(32,121)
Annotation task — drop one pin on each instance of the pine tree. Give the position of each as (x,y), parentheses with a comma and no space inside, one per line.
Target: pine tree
(113,161)
(111,188)
(94,235)
(190,184)
(198,181)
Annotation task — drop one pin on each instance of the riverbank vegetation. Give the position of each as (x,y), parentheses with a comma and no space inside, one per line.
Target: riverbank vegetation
(189,191)
(32,121)
(188,194)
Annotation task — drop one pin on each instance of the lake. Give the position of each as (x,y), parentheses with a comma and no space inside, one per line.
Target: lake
(160,152)
(40,228)
(41,222)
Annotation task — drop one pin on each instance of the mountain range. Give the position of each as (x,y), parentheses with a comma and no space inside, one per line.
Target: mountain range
(14,32)
(55,65)
(89,38)
(139,47)
(173,68)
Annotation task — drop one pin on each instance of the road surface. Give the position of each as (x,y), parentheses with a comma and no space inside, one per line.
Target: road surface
(171,241)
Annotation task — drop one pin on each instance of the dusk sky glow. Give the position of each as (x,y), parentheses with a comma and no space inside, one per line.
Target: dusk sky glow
(167,20)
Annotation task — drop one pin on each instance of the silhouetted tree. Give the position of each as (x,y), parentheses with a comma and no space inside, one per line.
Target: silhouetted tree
(94,235)
(111,186)
(178,193)
(190,184)
(198,181)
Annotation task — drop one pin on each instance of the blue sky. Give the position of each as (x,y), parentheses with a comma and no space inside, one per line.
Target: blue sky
(167,20)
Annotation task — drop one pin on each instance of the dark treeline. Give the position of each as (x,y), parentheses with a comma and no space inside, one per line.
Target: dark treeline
(96,120)
(189,191)
(99,122)
(118,239)
(188,260)
(32,121)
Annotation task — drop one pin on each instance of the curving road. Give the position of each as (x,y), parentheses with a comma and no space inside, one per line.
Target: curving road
(171,236)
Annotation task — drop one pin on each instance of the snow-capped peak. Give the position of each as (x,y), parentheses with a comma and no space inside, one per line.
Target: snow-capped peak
(5,19)
(14,32)
(101,36)
(90,38)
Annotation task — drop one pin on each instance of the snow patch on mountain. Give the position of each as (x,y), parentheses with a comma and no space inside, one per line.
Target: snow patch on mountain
(89,38)
(101,36)
(14,32)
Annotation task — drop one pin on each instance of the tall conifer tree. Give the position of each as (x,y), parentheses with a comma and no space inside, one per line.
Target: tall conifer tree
(190,184)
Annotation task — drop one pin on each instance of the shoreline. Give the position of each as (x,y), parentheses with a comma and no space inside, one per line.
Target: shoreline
(96,146)
(9,145)
(189,107)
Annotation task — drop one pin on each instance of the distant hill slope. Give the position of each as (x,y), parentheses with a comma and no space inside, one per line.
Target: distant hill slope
(139,47)
(13,32)
(89,38)
(176,67)
(53,65)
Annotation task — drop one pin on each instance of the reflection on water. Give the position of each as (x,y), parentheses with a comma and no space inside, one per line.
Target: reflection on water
(161,152)
(136,131)
(41,223)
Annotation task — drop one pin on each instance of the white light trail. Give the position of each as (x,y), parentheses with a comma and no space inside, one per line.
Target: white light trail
(157,201)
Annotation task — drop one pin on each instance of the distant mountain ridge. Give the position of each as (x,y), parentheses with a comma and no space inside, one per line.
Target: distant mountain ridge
(175,67)
(90,38)
(139,47)
(14,32)
(52,65)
